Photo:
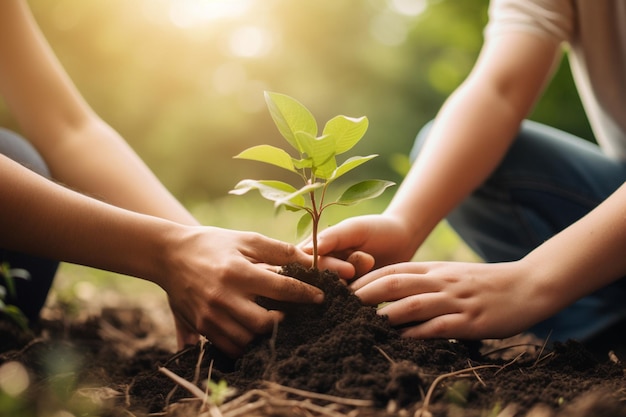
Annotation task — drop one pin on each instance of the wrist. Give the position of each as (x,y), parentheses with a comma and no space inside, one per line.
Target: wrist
(163,260)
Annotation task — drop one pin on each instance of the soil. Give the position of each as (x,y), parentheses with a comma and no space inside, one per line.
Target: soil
(335,359)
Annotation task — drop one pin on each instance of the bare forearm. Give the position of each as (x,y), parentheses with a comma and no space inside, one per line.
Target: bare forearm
(586,256)
(43,218)
(475,128)
(95,160)
(80,149)
(458,156)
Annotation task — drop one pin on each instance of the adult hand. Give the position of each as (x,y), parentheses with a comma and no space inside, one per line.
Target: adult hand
(459,300)
(214,277)
(366,242)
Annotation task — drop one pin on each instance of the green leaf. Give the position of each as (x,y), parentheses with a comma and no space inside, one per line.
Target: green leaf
(298,194)
(16,315)
(290,117)
(319,150)
(326,170)
(304,225)
(5,271)
(272,190)
(363,190)
(270,155)
(348,131)
(349,164)
(303,163)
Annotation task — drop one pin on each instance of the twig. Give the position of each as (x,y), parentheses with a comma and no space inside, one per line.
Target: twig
(235,403)
(543,358)
(169,395)
(196,375)
(11,354)
(193,389)
(423,410)
(382,352)
(268,399)
(197,392)
(178,355)
(498,350)
(506,365)
(476,375)
(272,343)
(245,409)
(545,343)
(317,396)
(127,394)
(206,391)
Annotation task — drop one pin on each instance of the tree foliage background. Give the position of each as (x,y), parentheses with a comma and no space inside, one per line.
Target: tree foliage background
(183,80)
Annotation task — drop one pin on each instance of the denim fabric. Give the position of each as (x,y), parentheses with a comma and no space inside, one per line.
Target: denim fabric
(547,181)
(30,295)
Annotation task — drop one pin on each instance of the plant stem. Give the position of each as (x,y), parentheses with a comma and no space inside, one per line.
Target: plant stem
(316,219)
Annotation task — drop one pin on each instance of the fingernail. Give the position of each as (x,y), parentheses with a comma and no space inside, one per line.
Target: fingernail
(319,298)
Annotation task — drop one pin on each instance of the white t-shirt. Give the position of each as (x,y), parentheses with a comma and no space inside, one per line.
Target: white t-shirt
(595,31)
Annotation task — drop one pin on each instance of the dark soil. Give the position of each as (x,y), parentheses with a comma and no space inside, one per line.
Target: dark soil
(340,349)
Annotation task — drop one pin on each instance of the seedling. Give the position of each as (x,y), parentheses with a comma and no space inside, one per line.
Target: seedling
(9,274)
(316,163)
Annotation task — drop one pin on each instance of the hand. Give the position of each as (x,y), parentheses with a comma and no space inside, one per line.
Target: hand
(216,276)
(458,300)
(358,239)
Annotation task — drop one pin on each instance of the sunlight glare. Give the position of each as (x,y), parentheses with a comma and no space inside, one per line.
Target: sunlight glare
(250,41)
(187,13)
(408,7)
(389,29)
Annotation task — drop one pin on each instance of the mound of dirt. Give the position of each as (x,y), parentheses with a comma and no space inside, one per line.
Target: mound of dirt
(335,359)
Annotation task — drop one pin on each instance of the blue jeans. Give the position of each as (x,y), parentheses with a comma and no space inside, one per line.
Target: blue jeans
(31,294)
(547,181)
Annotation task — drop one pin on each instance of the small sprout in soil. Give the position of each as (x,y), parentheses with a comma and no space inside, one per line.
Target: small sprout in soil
(316,164)
(11,311)
(219,392)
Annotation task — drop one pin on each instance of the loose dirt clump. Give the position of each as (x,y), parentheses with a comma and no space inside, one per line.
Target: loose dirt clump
(335,359)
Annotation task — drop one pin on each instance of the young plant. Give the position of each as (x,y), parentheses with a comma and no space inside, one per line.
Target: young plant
(316,163)
(8,289)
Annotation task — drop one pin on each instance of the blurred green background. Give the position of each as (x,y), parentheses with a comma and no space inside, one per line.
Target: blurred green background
(183,82)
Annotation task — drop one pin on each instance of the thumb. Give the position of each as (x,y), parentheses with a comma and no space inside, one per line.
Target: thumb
(342,238)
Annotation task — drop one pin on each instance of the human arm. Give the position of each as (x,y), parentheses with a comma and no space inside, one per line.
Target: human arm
(87,155)
(81,150)
(478,301)
(210,274)
(470,135)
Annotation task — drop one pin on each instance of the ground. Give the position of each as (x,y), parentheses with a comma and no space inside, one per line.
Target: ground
(337,359)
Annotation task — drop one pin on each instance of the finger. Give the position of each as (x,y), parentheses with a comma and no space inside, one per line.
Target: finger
(409,268)
(363,262)
(272,285)
(256,319)
(230,336)
(449,326)
(185,334)
(337,238)
(344,269)
(417,309)
(263,249)
(394,287)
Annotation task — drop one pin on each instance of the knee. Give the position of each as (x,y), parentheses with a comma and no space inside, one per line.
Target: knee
(17,148)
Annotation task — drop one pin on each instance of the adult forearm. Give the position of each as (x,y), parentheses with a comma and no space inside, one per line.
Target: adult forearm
(40,217)
(105,167)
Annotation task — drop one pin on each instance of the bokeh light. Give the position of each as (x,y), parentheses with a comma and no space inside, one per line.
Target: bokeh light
(14,378)
(186,13)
